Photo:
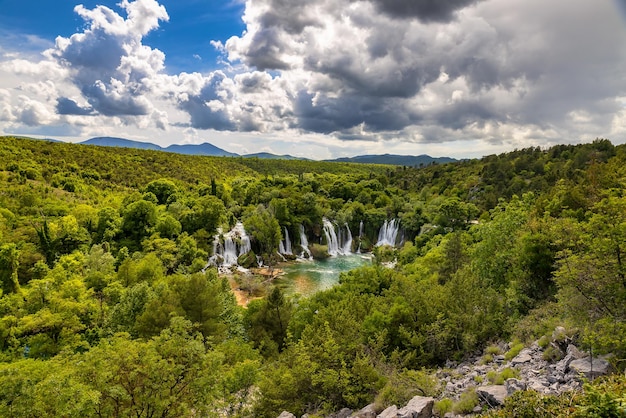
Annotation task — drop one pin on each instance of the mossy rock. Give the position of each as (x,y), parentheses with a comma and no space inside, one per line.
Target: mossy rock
(319,251)
(247,260)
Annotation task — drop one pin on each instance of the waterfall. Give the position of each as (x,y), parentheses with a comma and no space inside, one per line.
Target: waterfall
(388,233)
(360,236)
(346,238)
(285,247)
(331,237)
(337,245)
(244,239)
(230,251)
(236,243)
(304,243)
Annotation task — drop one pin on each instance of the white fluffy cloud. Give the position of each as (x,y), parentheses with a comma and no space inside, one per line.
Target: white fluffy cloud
(345,74)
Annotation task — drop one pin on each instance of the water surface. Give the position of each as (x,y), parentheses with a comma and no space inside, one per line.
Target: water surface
(309,277)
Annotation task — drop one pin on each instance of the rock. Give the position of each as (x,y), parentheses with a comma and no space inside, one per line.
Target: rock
(367,412)
(559,333)
(286,414)
(591,369)
(389,412)
(418,407)
(493,395)
(573,351)
(523,357)
(344,413)
(564,363)
(513,385)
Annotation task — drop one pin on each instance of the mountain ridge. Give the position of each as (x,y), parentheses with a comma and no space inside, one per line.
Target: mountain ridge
(208,149)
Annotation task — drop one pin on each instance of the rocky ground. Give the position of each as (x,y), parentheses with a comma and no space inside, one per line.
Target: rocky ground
(490,376)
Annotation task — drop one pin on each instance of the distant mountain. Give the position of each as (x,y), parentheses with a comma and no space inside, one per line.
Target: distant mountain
(188,149)
(108,141)
(268,156)
(408,160)
(201,149)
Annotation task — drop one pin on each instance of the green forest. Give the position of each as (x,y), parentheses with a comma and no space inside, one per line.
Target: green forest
(108,307)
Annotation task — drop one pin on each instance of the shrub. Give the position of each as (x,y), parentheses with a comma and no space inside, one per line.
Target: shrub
(544,341)
(487,358)
(467,402)
(516,347)
(443,406)
(493,350)
(552,354)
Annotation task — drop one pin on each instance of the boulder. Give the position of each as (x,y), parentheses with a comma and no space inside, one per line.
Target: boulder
(573,351)
(564,363)
(591,369)
(418,407)
(367,412)
(390,412)
(286,414)
(344,413)
(493,395)
(523,357)
(513,385)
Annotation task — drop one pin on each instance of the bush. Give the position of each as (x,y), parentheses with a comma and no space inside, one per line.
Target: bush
(319,251)
(467,402)
(552,354)
(544,341)
(515,349)
(493,350)
(443,406)
(487,358)
(499,378)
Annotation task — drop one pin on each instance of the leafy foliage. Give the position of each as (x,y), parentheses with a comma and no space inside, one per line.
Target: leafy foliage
(108,309)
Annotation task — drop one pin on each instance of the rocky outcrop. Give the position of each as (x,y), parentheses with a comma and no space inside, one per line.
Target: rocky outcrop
(418,407)
(390,412)
(531,370)
(590,368)
(367,412)
(492,395)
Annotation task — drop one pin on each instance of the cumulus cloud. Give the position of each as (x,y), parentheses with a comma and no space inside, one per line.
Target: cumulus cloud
(437,70)
(66,106)
(108,62)
(523,72)
(424,10)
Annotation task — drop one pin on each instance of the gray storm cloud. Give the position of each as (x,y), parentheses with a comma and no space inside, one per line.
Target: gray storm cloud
(398,70)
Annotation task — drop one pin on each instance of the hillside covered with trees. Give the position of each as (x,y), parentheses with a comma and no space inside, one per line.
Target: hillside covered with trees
(108,307)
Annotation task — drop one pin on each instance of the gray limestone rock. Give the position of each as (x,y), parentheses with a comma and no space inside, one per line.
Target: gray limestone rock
(591,369)
(390,412)
(513,385)
(493,395)
(418,407)
(573,351)
(367,412)
(523,357)
(344,413)
(286,414)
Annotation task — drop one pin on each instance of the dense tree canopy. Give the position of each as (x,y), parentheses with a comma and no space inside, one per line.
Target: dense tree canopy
(108,306)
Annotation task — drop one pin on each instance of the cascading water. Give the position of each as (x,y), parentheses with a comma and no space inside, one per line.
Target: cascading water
(304,243)
(331,237)
(284,247)
(337,245)
(346,238)
(388,234)
(360,237)
(236,243)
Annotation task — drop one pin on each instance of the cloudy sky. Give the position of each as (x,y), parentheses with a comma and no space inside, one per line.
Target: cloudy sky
(317,78)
